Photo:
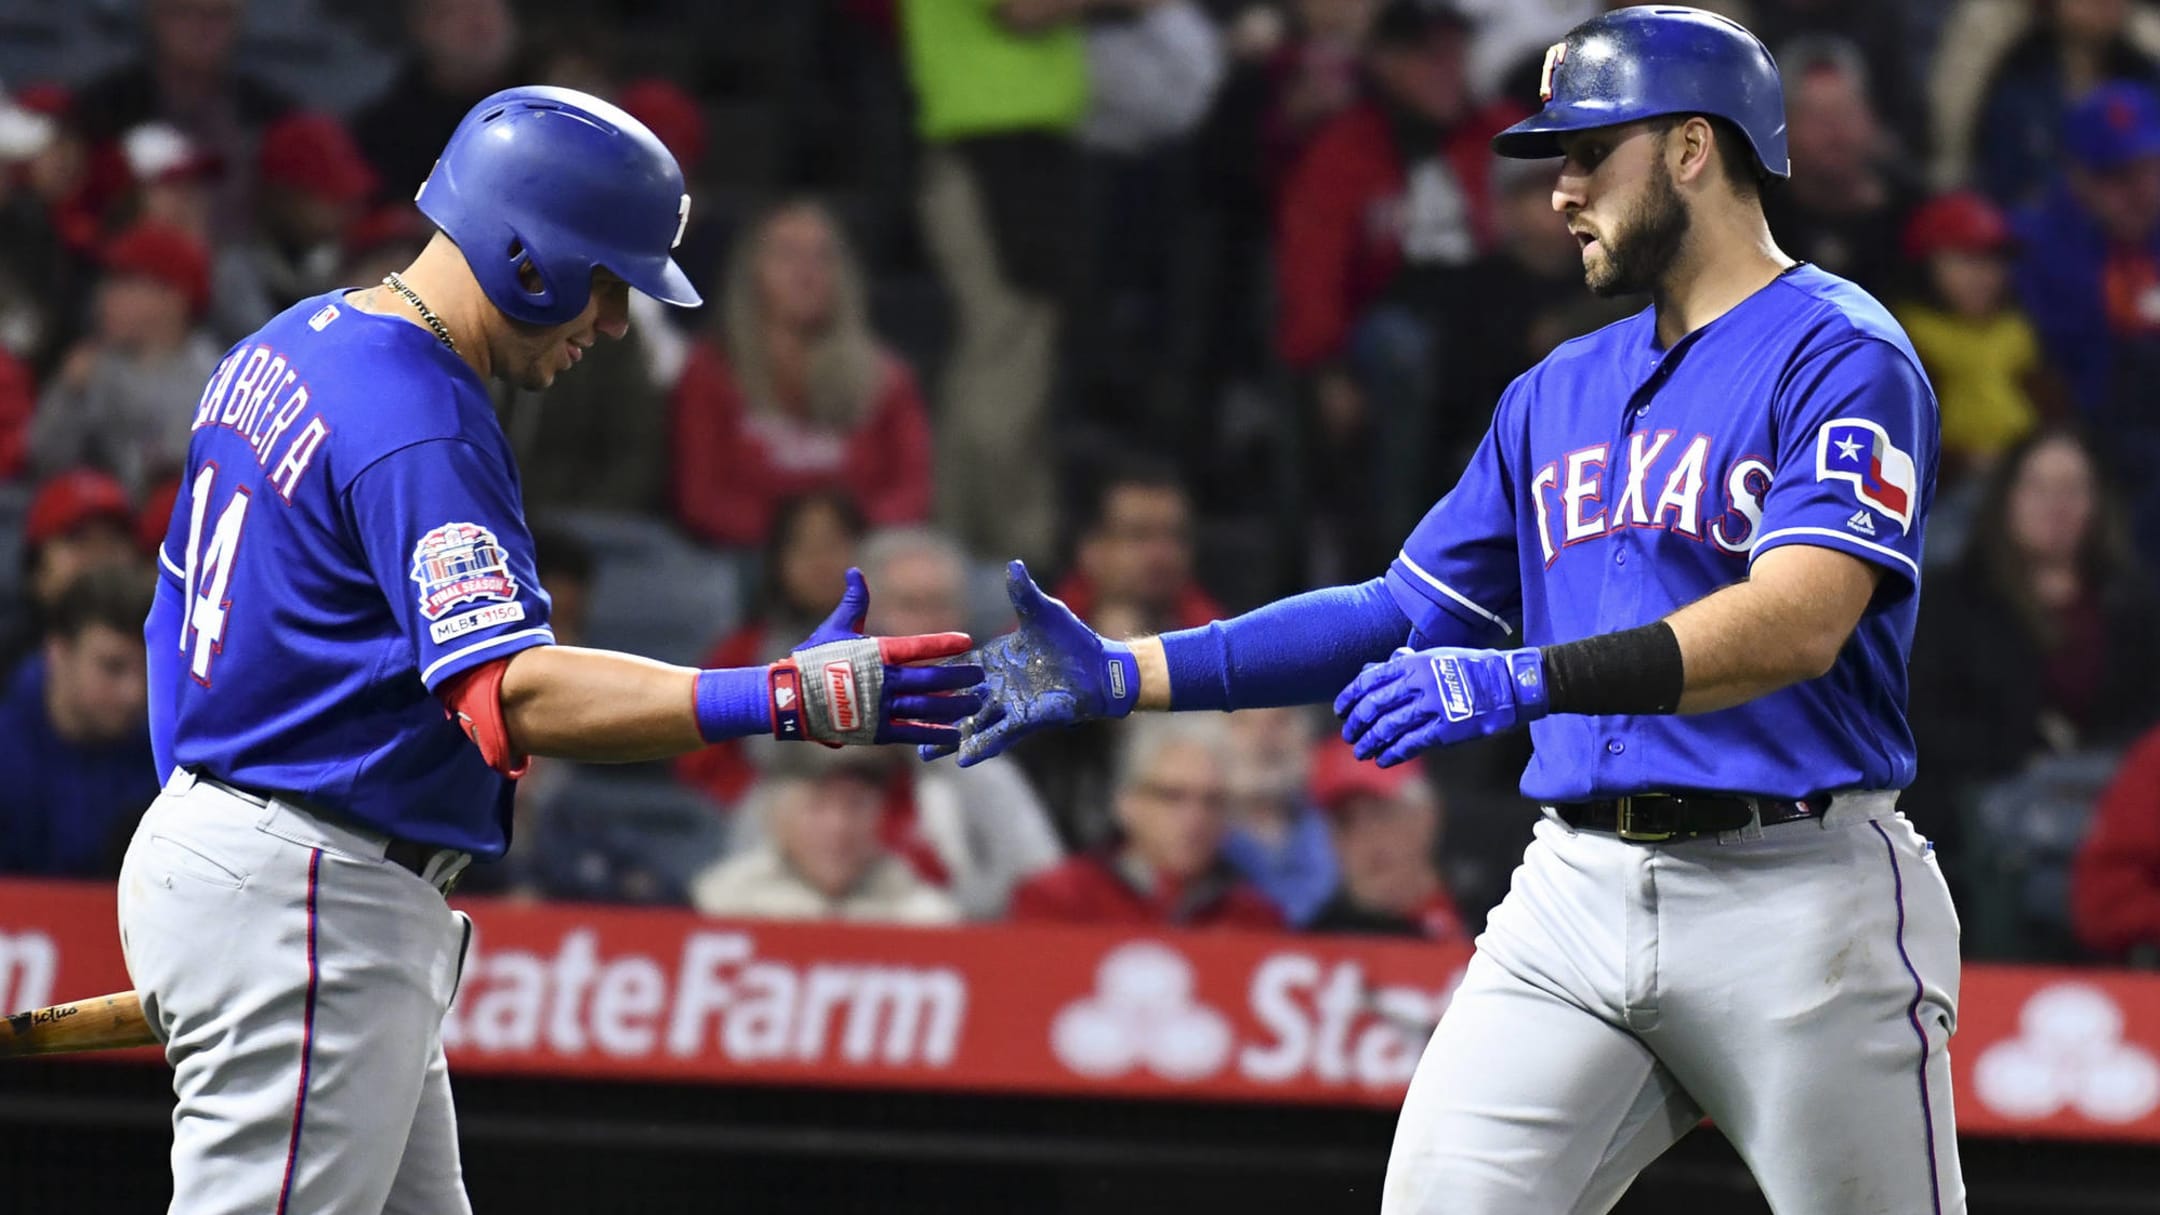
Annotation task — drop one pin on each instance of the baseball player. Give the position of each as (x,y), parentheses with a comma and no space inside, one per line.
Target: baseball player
(1687,554)
(350,661)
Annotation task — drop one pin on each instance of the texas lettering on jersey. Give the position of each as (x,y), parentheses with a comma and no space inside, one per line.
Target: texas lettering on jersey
(1662,485)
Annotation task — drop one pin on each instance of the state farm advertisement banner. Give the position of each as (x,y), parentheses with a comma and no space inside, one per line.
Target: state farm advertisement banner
(671,996)
(632,994)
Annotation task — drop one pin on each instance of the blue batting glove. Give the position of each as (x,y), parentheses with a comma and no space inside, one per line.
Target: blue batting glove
(1435,698)
(1051,671)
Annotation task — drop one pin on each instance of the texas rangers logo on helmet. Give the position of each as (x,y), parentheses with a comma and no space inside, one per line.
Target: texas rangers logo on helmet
(1859,451)
(460,563)
(1555,55)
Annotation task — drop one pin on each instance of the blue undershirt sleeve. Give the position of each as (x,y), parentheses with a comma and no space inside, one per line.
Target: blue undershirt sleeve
(732,703)
(1295,651)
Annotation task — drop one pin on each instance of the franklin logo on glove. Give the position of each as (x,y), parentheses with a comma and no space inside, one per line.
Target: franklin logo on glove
(840,695)
(1454,693)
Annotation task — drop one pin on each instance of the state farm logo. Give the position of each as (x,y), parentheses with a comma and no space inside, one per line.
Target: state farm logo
(1305,1021)
(2069,1054)
(1142,1014)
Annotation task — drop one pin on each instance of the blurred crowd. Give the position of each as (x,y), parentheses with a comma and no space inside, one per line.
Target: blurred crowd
(1190,303)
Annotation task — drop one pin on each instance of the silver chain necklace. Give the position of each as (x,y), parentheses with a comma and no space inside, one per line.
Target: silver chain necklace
(412,297)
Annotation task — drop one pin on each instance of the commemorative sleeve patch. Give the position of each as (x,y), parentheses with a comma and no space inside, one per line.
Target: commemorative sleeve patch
(457,564)
(1858,451)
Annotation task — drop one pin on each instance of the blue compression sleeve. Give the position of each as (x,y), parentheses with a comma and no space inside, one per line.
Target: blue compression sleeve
(733,703)
(1295,651)
(161,641)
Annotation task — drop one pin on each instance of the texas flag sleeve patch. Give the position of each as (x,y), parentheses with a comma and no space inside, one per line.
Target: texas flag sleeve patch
(1859,451)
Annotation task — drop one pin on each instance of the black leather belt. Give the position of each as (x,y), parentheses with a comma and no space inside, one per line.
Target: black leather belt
(408,855)
(1656,818)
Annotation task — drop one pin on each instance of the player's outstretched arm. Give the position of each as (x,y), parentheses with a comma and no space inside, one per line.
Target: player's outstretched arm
(1054,670)
(837,687)
(1785,624)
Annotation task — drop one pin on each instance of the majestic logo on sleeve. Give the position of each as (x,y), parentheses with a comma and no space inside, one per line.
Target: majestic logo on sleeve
(1859,451)
(461,563)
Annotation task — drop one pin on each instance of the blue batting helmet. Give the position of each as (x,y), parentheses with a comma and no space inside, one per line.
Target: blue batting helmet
(1650,60)
(562,182)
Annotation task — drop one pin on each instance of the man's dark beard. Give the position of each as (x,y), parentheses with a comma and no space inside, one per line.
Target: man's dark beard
(1642,246)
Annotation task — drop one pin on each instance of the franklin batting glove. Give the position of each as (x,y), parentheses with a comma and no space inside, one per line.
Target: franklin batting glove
(840,687)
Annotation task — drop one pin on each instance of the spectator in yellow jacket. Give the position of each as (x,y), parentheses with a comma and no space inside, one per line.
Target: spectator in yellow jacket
(1979,349)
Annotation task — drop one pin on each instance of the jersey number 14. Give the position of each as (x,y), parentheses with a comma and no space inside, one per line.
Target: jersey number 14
(209,572)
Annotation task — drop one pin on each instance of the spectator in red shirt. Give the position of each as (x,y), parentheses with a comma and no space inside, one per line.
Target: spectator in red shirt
(1312,77)
(1167,867)
(1387,832)
(1378,218)
(2115,884)
(1132,574)
(803,573)
(792,392)
(1133,564)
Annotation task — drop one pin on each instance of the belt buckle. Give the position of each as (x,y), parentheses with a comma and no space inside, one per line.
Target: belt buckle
(1624,824)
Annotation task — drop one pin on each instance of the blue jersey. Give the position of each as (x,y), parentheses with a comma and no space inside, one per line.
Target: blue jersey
(348,537)
(1622,481)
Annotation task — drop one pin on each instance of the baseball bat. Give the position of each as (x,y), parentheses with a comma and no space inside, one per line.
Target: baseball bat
(109,1022)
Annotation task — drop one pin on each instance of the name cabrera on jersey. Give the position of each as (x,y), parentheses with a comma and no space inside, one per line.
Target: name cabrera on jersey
(1620,482)
(348,537)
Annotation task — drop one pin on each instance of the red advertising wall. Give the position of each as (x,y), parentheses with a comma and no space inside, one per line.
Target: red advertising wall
(632,994)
